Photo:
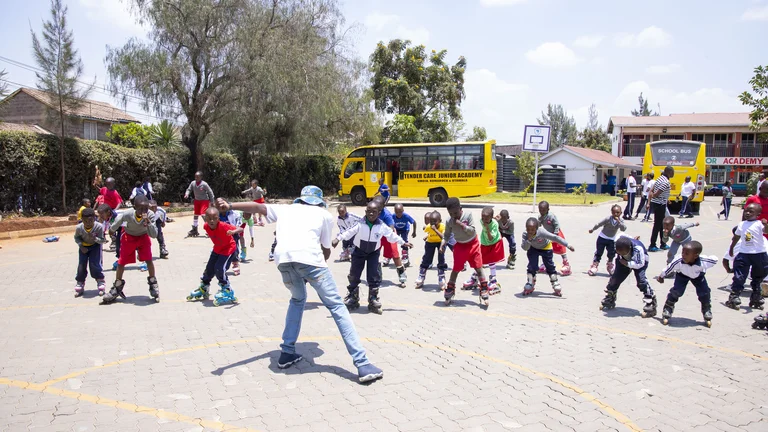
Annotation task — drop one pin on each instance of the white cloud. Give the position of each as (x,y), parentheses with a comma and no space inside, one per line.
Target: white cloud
(758,13)
(649,37)
(494,3)
(677,102)
(663,69)
(388,26)
(502,107)
(553,54)
(113,12)
(589,41)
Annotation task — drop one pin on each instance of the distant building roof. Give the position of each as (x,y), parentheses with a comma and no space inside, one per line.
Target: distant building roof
(693,119)
(509,150)
(17,127)
(90,109)
(597,157)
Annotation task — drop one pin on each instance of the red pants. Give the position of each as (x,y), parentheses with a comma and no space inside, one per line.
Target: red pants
(201,206)
(467,253)
(391,250)
(129,245)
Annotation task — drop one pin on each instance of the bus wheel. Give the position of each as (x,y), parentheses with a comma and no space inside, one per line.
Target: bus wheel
(438,197)
(358,196)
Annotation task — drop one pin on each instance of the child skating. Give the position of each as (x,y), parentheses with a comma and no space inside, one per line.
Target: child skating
(366,237)
(137,236)
(390,250)
(203,198)
(507,231)
(403,222)
(491,249)
(677,233)
(690,267)
(345,221)
(108,216)
(606,240)
(256,194)
(632,257)
(160,218)
(89,237)
(752,254)
(538,243)
(233,218)
(434,229)
(224,250)
(549,222)
(461,226)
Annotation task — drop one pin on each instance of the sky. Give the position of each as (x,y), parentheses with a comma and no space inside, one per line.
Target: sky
(684,55)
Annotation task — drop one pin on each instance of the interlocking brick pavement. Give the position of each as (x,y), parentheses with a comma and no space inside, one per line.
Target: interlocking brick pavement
(526,363)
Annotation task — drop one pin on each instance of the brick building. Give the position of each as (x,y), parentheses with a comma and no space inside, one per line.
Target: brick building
(734,151)
(35,107)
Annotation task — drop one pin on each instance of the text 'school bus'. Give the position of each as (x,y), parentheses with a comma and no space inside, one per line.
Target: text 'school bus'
(424,170)
(688,158)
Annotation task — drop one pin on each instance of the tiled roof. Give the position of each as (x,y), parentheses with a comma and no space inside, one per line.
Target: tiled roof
(595,156)
(16,127)
(90,109)
(693,119)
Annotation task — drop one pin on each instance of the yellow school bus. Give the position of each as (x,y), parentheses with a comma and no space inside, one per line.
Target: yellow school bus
(422,170)
(688,158)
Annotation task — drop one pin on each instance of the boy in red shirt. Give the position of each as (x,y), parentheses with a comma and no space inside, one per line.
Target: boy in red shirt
(224,250)
(111,197)
(761,197)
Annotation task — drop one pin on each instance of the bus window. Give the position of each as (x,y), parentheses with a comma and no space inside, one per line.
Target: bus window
(440,158)
(373,160)
(674,153)
(352,168)
(357,153)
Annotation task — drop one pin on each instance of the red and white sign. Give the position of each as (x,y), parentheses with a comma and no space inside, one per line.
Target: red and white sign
(737,161)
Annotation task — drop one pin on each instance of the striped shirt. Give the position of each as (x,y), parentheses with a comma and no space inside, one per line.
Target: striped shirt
(662,184)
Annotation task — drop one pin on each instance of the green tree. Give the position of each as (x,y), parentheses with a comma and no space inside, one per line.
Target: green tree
(643,111)
(595,139)
(759,100)
(164,134)
(402,129)
(61,69)
(478,134)
(403,83)
(563,127)
(131,135)
(526,169)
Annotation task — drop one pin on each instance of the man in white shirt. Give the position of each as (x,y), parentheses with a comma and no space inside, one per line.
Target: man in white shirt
(631,189)
(643,195)
(304,234)
(687,192)
(648,188)
(760,181)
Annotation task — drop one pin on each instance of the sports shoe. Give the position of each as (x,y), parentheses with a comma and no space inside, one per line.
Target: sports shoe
(653,249)
(287,360)
(665,247)
(369,372)
(114,266)
(271,257)
(143,267)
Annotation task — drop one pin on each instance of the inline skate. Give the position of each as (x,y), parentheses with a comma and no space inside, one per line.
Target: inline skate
(352,300)
(374,304)
(734,301)
(593,269)
(449,293)
(610,266)
(401,276)
(421,277)
(511,261)
(756,300)
(154,289)
(706,313)
(225,295)
(609,301)
(666,313)
(243,253)
(114,292)
(193,232)
(566,269)
(761,322)
(530,285)
(558,290)
(494,287)
(201,293)
(441,279)
(471,283)
(163,252)
(483,293)
(406,261)
(79,288)
(101,286)
(649,309)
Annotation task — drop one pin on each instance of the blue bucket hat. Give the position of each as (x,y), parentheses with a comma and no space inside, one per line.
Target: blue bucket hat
(311,195)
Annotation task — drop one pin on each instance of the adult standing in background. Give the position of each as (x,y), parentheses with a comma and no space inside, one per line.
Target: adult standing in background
(659,197)
(643,193)
(631,189)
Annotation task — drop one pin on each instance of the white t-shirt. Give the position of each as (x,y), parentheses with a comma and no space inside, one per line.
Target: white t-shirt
(687,189)
(757,191)
(649,186)
(643,186)
(301,230)
(736,250)
(631,184)
(752,240)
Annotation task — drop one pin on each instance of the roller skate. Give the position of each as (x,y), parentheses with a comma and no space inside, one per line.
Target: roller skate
(764,288)
(494,287)
(114,292)
(449,293)
(163,252)
(225,295)
(666,313)
(79,288)
(566,269)
(511,261)
(101,286)
(471,283)
(761,322)
(143,267)
(609,301)
(386,261)
(402,277)
(114,266)
(201,293)
(441,279)
(610,266)
(154,289)
(352,300)
(406,261)
(243,253)
(193,232)
(374,304)
(236,268)
(756,300)
(271,257)
(420,278)
(484,294)
(593,269)
(349,252)
(558,290)
(542,269)
(344,255)
(734,301)
(649,310)
(530,285)
(706,313)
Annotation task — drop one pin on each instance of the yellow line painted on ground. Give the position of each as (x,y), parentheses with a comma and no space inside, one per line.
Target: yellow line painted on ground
(621,418)
(126,406)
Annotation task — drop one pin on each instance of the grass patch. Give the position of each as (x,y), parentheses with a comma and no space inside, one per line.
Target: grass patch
(552,198)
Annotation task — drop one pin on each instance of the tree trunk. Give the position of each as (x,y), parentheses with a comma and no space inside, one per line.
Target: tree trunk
(61,161)
(191,141)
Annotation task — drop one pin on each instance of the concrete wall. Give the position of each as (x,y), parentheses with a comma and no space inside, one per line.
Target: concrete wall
(25,109)
(577,170)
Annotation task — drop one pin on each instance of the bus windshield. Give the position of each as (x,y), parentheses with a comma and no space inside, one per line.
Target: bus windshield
(674,153)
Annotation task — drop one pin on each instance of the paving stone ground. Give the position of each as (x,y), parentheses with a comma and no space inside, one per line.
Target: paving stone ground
(528,364)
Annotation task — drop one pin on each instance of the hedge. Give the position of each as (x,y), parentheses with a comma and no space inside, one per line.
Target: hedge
(30,172)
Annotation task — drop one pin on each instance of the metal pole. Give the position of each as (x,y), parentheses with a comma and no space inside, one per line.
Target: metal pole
(535,180)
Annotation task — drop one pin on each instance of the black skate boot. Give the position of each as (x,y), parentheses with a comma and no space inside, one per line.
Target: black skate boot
(193,232)
(761,322)
(756,300)
(450,293)
(114,292)
(352,300)
(666,313)
(374,304)
(609,301)
(734,301)
(706,313)
(154,289)
(649,310)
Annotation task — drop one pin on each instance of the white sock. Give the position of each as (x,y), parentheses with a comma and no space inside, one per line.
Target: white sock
(250,231)
(493,270)
(194,221)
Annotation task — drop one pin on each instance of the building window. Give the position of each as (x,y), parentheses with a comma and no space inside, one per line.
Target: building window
(721,139)
(743,175)
(89,130)
(748,139)
(697,137)
(668,137)
(716,177)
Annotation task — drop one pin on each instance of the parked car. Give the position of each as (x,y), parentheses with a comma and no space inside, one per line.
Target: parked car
(716,190)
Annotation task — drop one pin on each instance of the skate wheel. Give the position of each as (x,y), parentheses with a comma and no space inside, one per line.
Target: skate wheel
(216,303)
(665,321)
(708,324)
(602,307)
(234,300)
(558,294)
(190,298)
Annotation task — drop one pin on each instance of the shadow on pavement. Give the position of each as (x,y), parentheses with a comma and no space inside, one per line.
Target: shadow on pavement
(682,322)
(620,312)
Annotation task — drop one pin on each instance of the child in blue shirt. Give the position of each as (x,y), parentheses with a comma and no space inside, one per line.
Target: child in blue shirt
(403,222)
(383,190)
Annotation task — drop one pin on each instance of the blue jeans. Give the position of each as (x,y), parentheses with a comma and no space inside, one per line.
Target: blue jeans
(90,259)
(295,276)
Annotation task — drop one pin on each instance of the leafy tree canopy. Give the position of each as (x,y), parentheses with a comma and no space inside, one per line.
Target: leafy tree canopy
(643,110)
(563,127)
(759,100)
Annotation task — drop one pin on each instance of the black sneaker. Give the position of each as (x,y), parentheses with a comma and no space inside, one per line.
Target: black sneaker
(287,360)
(369,372)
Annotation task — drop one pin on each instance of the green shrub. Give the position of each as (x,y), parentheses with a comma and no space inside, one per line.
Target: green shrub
(131,135)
